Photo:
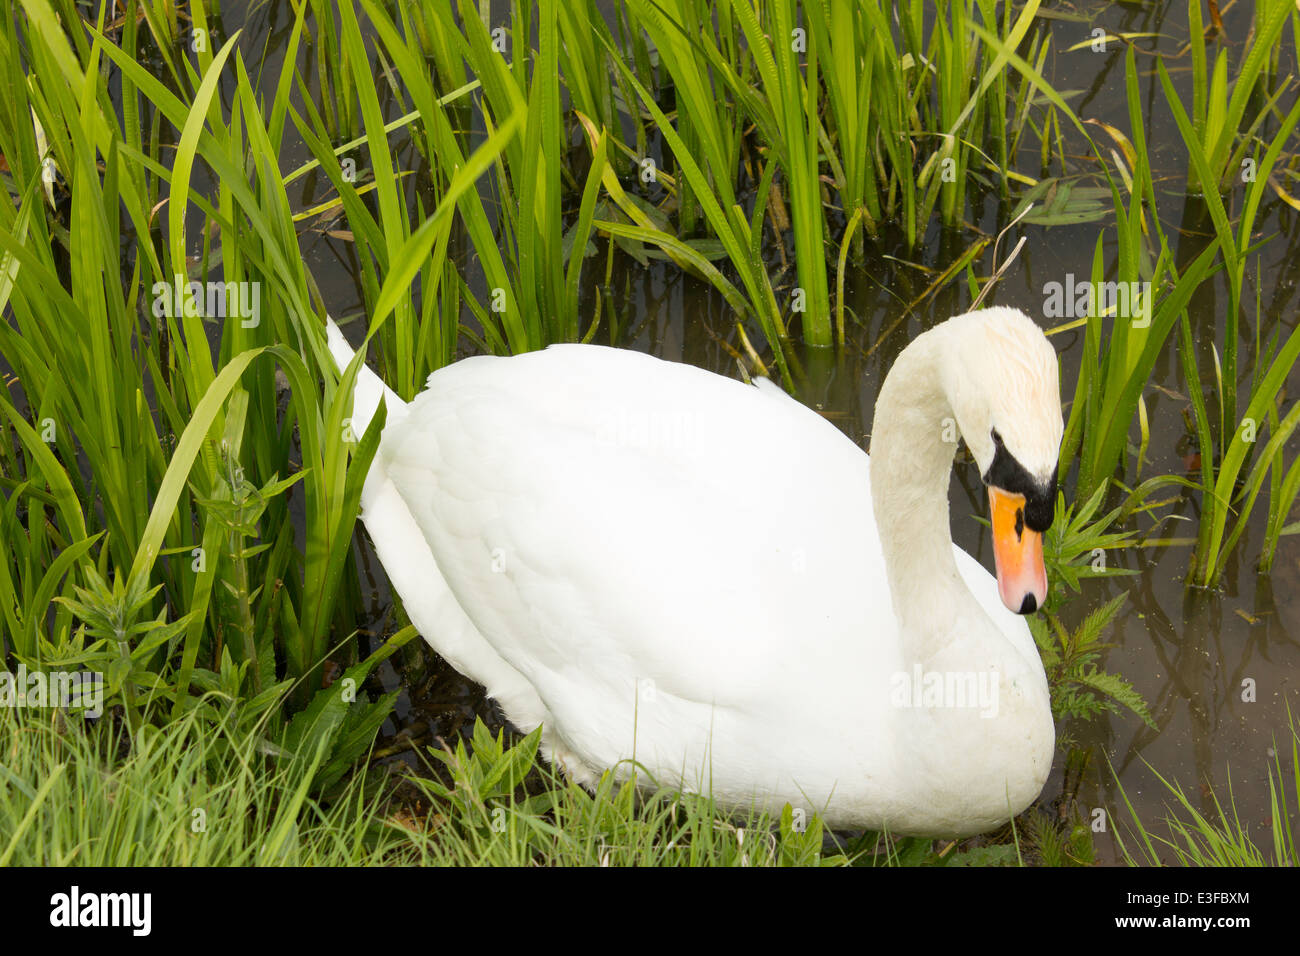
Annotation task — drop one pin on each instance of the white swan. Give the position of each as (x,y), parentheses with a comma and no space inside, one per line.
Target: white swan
(657,562)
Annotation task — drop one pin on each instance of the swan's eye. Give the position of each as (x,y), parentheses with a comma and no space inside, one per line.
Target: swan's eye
(997,439)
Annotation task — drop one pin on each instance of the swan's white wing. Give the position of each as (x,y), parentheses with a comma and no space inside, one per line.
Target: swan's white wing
(653,547)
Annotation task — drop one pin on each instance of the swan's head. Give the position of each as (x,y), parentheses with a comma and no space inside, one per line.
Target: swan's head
(1003,386)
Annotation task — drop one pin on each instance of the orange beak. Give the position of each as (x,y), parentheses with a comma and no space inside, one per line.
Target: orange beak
(1017,553)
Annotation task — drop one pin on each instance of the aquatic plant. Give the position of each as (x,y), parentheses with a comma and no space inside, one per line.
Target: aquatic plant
(1214,834)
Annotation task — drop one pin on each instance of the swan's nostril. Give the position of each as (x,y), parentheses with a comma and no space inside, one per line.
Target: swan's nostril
(1029,605)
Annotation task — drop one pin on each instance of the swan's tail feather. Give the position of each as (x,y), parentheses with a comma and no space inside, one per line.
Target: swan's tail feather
(369,388)
(413,570)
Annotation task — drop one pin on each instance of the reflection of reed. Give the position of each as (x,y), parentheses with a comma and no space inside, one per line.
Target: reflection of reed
(1200,657)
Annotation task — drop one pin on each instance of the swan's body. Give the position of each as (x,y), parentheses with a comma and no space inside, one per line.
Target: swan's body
(656,562)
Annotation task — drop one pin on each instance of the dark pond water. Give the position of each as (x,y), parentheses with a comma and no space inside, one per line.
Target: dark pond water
(1187,652)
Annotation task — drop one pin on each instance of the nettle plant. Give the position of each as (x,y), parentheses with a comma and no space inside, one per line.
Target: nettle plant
(1075,549)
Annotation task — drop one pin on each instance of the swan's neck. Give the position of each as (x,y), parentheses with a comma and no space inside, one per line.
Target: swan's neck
(913,440)
(949,754)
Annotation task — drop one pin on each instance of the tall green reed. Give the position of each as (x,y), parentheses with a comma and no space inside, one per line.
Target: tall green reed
(893,117)
(514,223)
(1119,358)
(185,541)
(1227,442)
(1219,117)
